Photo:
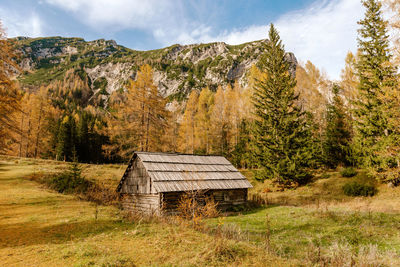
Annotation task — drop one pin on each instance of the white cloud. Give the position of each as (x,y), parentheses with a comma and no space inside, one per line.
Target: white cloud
(322,33)
(19,24)
(152,15)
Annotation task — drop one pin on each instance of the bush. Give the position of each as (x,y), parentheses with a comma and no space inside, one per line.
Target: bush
(348,172)
(70,181)
(66,183)
(359,189)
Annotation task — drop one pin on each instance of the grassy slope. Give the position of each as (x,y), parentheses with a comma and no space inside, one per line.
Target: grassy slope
(326,190)
(41,228)
(310,225)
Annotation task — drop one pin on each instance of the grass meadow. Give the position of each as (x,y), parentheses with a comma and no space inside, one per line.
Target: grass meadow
(315,225)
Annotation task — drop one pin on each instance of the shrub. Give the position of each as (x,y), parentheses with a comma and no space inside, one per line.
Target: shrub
(192,208)
(348,172)
(359,189)
(102,195)
(70,181)
(66,183)
(391,176)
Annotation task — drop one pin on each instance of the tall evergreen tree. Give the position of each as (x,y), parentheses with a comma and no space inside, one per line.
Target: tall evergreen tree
(376,75)
(337,139)
(282,132)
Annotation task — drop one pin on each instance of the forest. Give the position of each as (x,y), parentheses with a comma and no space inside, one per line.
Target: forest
(283,124)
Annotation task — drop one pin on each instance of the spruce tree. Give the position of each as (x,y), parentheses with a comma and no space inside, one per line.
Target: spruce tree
(376,75)
(337,139)
(282,133)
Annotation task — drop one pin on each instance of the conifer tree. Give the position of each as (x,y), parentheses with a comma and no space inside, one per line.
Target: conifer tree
(10,95)
(282,134)
(349,80)
(139,122)
(187,138)
(218,122)
(337,141)
(394,8)
(376,75)
(202,118)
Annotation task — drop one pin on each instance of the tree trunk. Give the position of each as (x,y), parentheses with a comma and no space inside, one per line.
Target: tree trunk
(147,130)
(38,131)
(28,135)
(21,135)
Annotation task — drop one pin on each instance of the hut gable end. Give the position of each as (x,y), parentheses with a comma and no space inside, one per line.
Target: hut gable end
(136,179)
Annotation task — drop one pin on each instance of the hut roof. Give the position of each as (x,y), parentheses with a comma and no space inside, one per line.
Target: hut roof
(182,172)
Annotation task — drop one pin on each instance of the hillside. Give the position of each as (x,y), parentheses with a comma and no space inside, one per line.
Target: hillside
(107,65)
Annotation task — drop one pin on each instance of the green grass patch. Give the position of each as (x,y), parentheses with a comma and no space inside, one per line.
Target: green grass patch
(292,230)
(348,172)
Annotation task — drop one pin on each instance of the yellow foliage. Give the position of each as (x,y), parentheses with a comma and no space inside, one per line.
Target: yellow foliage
(138,122)
(10,95)
(187,137)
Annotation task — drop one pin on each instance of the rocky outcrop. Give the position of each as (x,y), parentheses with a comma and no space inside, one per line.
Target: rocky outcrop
(115,75)
(178,69)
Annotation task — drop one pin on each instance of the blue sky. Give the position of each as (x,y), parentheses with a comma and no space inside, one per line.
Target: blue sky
(320,31)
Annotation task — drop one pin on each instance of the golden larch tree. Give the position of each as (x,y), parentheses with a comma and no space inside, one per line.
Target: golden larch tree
(138,122)
(10,94)
(202,120)
(187,138)
(218,121)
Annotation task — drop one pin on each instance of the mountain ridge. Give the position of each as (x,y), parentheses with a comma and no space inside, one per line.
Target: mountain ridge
(178,69)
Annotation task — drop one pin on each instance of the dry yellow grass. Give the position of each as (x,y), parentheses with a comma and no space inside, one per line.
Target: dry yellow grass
(39,227)
(326,191)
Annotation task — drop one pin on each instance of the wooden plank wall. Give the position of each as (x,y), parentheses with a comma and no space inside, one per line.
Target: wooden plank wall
(225,198)
(137,182)
(229,198)
(146,203)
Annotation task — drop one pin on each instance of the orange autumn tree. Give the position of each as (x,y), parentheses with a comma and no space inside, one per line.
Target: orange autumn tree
(202,121)
(218,122)
(34,136)
(187,138)
(138,122)
(10,94)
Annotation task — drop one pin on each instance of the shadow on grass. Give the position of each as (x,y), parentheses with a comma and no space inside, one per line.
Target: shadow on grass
(249,211)
(3,167)
(26,234)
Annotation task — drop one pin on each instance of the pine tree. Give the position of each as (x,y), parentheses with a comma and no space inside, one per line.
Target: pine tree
(337,139)
(376,75)
(282,133)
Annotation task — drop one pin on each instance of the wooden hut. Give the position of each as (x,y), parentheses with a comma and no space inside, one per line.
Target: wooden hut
(155,181)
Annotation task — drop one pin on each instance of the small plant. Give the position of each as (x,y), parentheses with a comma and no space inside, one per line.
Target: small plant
(359,189)
(348,172)
(191,207)
(325,176)
(70,181)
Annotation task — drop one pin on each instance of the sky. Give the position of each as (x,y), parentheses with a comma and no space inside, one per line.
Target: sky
(322,31)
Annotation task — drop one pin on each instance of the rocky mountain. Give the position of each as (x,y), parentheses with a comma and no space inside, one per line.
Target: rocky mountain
(107,66)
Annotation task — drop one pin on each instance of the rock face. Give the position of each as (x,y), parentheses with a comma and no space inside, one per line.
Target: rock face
(178,69)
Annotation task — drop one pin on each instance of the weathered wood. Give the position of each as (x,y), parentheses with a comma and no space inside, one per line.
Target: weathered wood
(158,180)
(141,202)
